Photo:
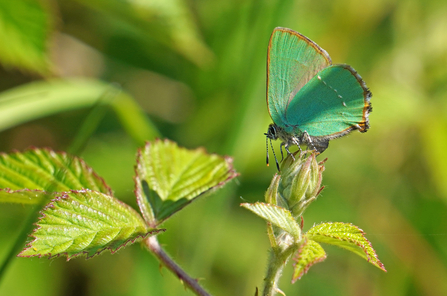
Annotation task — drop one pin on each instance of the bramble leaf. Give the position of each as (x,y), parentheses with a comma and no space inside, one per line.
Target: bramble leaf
(346,236)
(278,216)
(85,222)
(309,253)
(169,177)
(25,177)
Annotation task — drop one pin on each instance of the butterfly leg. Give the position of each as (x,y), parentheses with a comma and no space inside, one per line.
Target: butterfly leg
(280,149)
(308,140)
(297,143)
(288,152)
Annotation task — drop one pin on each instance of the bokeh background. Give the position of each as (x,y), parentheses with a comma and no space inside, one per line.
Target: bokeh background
(97,78)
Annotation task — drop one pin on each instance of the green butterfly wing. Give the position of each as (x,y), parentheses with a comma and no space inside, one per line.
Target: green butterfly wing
(292,61)
(333,103)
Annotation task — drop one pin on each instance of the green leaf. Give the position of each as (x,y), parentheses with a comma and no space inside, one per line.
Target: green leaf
(309,253)
(278,216)
(25,177)
(24,29)
(169,177)
(85,222)
(346,236)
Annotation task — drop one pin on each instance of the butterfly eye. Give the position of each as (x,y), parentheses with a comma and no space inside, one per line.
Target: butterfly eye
(271,132)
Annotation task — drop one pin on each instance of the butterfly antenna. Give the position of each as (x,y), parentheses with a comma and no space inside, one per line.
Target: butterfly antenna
(267,150)
(276,160)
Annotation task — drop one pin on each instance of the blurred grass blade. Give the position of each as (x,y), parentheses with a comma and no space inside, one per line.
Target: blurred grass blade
(85,222)
(40,99)
(346,236)
(24,29)
(134,120)
(278,216)
(25,177)
(90,124)
(169,177)
(309,253)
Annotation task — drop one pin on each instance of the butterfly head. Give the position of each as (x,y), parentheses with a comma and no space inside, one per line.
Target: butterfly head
(272,132)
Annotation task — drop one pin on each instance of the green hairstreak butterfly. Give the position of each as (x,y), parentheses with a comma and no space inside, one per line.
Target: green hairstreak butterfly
(310,100)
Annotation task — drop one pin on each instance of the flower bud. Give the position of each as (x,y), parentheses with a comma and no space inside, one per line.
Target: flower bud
(300,182)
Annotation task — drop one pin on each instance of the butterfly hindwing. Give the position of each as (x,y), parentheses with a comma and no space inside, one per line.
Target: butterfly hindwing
(334,102)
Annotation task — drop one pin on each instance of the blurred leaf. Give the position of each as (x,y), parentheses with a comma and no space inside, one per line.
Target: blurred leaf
(26,177)
(24,30)
(40,99)
(169,177)
(278,216)
(167,21)
(346,236)
(309,253)
(85,222)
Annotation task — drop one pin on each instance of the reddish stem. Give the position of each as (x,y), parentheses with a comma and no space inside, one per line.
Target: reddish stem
(153,245)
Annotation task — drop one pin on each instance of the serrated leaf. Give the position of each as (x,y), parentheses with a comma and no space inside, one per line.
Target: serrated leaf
(346,236)
(85,222)
(24,31)
(309,253)
(169,177)
(25,177)
(278,216)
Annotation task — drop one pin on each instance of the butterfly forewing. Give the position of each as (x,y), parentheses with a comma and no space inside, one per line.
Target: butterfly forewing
(293,60)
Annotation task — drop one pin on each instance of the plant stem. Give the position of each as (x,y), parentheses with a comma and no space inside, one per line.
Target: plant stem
(277,262)
(153,245)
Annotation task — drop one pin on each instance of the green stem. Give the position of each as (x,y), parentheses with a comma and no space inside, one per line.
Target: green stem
(277,262)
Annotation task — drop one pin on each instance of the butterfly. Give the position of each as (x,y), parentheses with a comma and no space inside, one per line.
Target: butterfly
(310,100)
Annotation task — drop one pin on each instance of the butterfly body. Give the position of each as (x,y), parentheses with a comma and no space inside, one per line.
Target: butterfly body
(310,100)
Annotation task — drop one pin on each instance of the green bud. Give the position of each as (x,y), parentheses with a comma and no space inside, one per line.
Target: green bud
(300,181)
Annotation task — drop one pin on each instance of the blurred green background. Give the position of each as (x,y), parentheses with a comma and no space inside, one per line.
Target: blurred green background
(99,77)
